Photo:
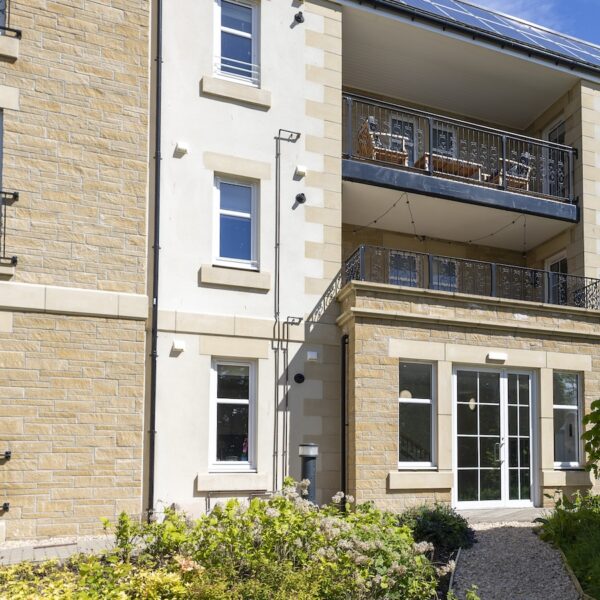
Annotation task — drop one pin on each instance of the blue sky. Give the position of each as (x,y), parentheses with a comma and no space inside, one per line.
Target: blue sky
(579,18)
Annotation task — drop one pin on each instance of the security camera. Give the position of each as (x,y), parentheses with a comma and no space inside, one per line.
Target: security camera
(300,198)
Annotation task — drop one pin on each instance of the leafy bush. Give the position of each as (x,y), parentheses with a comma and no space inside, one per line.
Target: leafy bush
(440,525)
(574,526)
(275,549)
(591,438)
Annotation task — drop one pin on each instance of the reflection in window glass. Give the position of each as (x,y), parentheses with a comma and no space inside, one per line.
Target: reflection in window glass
(236,221)
(233,407)
(566,419)
(415,443)
(237,43)
(415,432)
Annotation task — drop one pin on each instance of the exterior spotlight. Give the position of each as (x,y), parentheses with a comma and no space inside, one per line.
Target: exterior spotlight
(300,198)
(299,17)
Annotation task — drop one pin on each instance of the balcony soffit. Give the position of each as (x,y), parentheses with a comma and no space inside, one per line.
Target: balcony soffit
(425,66)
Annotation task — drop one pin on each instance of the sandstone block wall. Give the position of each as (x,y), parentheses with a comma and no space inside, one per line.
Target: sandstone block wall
(71,402)
(530,332)
(77,149)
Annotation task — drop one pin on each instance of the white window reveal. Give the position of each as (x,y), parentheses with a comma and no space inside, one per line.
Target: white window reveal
(567,419)
(232,439)
(236,227)
(236,40)
(415,415)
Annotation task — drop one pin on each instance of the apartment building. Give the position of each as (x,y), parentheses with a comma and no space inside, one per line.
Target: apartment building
(245,225)
(74,91)
(426,311)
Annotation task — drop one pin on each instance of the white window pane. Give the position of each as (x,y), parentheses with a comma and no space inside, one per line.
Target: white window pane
(236,197)
(236,16)
(565,388)
(415,433)
(236,238)
(566,435)
(232,432)
(233,382)
(415,381)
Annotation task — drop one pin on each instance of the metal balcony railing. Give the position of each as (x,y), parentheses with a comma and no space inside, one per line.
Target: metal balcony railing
(418,270)
(6,199)
(411,139)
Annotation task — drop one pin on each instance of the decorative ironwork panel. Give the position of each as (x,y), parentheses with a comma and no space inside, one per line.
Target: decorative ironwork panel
(412,269)
(351,270)
(518,283)
(413,139)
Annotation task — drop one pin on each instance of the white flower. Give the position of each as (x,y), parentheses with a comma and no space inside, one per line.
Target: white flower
(337,498)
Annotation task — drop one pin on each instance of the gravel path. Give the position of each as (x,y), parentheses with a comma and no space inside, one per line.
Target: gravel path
(510,562)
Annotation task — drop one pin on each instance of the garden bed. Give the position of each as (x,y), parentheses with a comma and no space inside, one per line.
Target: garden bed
(275,549)
(574,528)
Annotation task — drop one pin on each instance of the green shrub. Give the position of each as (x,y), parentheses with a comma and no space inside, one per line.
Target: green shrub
(574,526)
(275,549)
(440,525)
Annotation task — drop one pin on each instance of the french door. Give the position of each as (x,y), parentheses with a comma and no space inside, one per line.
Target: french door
(493,433)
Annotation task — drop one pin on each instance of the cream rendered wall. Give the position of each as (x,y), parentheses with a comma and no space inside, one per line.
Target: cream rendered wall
(233,131)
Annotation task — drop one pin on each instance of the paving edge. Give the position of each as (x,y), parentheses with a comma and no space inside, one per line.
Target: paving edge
(451,584)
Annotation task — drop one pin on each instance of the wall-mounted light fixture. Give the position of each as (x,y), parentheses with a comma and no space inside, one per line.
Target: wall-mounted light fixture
(498,357)
(180,150)
(178,347)
(300,171)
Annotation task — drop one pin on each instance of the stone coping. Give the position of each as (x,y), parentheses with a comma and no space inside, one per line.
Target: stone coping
(462,298)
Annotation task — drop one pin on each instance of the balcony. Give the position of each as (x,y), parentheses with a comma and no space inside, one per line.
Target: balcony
(415,151)
(442,273)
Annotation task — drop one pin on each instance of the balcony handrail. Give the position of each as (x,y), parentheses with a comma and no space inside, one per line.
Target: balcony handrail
(556,288)
(426,114)
(6,199)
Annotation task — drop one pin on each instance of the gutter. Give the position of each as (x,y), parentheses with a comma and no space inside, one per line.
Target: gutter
(155,263)
(474,33)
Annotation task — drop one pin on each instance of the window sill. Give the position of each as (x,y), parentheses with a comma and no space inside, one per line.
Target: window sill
(232,90)
(235,278)
(231,482)
(409,467)
(422,479)
(7,270)
(9,47)
(566,477)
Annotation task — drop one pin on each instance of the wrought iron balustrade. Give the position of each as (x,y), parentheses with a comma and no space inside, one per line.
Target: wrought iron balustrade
(6,199)
(424,142)
(428,271)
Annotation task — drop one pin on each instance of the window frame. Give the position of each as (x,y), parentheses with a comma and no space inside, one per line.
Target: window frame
(565,466)
(216,466)
(420,465)
(254,79)
(218,260)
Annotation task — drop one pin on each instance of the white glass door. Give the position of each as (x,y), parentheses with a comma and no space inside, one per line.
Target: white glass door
(493,431)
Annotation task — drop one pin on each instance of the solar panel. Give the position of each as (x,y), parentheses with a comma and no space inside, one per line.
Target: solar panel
(505,26)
